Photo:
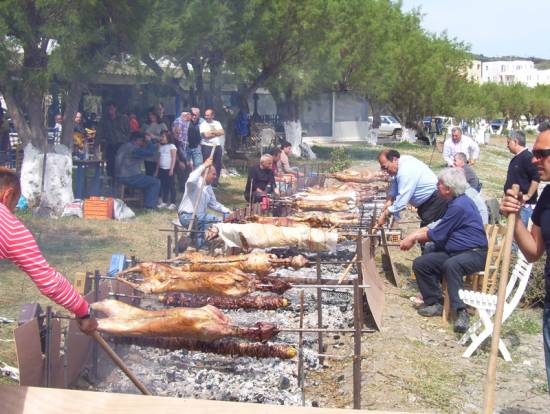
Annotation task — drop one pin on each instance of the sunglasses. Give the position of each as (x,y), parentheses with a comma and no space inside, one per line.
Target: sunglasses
(541,153)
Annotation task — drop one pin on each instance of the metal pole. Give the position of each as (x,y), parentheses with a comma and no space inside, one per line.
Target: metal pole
(48,350)
(356,348)
(168,247)
(359,255)
(319,311)
(95,351)
(175,240)
(301,376)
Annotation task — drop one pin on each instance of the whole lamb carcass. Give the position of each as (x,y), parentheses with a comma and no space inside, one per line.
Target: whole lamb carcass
(322,219)
(260,263)
(205,324)
(254,235)
(364,176)
(232,283)
(334,205)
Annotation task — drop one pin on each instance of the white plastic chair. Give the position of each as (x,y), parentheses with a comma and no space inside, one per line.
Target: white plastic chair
(486,306)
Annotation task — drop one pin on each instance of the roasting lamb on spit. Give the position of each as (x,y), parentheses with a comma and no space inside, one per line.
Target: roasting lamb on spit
(162,278)
(311,218)
(255,235)
(260,263)
(204,324)
(323,205)
(364,176)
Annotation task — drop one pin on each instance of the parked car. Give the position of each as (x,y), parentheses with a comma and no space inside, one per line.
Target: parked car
(389,126)
(444,123)
(497,124)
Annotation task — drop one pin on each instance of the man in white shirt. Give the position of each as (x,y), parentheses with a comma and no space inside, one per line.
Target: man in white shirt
(458,143)
(207,201)
(212,133)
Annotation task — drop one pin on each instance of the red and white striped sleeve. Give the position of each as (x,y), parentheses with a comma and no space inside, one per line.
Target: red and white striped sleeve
(18,246)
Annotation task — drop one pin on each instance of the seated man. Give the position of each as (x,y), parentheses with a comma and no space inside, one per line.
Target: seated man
(283,166)
(207,201)
(128,162)
(261,180)
(460,249)
(461,161)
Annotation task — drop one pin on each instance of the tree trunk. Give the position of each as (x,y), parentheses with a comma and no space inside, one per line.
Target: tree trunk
(288,107)
(71,107)
(199,83)
(27,115)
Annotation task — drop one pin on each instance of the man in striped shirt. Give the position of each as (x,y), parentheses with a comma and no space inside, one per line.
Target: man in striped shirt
(19,247)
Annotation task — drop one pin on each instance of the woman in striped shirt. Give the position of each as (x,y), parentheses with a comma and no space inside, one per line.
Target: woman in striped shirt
(18,246)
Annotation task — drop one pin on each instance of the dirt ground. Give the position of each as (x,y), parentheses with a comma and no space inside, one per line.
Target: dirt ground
(415,363)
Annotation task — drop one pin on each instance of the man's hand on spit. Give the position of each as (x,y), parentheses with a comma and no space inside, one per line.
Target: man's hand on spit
(208,162)
(408,242)
(87,325)
(511,203)
(382,219)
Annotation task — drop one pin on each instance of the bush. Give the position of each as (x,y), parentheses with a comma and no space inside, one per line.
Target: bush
(536,291)
(339,160)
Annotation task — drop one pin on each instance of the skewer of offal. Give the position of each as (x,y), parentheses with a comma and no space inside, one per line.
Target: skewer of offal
(247,302)
(203,324)
(245,349)
(163,278)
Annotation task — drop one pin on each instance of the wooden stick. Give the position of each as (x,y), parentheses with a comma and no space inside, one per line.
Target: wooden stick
(116,359)
(490,381)
(346,271)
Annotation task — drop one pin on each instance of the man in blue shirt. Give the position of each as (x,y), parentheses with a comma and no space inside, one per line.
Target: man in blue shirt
(413,183)
(460,249)
(128,162)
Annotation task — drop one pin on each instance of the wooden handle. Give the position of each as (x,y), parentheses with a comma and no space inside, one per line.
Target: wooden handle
(490,381)
(197,199)
(348,268)
(116,359)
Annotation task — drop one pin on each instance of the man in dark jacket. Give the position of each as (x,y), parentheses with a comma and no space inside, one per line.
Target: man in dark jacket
(523,172)
(261,180)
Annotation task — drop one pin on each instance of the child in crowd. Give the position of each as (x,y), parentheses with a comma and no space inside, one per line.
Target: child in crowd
(165,170)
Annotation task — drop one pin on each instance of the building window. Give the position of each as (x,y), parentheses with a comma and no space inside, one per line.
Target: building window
(502,68)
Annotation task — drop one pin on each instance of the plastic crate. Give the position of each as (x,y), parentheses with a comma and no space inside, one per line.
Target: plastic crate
(99,208)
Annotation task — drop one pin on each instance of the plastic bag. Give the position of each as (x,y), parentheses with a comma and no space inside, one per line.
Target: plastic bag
(122,211)
(73,209)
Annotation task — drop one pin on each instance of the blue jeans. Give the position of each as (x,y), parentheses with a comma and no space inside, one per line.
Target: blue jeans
(149,185)
(526,212)
(195,156)
(202,221)
(546,339)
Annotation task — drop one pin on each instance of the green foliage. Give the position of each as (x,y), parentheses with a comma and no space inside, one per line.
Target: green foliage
(339,160)
(536,291)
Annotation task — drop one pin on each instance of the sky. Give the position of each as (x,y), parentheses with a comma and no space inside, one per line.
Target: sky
(491,27)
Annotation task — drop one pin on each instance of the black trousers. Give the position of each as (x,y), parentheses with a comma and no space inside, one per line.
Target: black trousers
(431,267)
(110,156)
(150,168)
(167,187)
(432,209)
(206,150)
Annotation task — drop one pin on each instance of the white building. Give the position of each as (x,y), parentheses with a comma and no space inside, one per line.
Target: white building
(508,72)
